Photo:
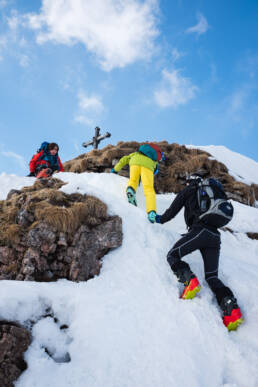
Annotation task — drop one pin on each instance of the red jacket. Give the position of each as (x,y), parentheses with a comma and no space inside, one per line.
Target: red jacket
(40,159)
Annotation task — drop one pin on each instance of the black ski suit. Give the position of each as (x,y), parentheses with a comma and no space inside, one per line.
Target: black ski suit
(199,237)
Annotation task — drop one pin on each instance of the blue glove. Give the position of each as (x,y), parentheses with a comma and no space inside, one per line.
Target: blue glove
(113,171)
(152,216)
(157,218)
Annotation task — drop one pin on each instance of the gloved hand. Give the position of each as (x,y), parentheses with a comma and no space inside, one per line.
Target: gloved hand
(31,174)
(113,171)
(152,216)
(158,219)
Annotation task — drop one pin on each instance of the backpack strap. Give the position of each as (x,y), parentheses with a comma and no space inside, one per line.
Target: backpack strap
(204,194)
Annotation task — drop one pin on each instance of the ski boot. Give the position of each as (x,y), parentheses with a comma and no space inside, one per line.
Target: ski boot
(185,276)
(152,216)
(232,316)
(192,287)
(44,173)
(130,192)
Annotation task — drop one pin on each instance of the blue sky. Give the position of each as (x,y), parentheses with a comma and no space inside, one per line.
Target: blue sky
(182,71)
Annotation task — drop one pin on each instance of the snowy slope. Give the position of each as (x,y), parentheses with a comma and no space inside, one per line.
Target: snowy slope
(128,327)
(242,168)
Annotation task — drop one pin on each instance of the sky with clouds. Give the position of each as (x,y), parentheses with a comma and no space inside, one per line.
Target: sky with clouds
(145,70)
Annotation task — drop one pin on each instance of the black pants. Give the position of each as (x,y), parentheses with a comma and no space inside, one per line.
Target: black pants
(208,242)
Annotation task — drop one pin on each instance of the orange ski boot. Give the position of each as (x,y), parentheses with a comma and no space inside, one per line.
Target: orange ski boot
(192,287)
(232,316)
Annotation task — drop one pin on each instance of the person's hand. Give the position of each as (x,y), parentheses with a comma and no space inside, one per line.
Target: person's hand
(113,171)
(158,219)
(152,216)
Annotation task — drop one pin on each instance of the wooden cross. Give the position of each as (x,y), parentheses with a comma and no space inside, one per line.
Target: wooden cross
(96,139)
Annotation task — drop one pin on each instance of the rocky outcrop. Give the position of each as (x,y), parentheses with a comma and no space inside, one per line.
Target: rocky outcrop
(180,162)
(14,341)
(46,234)
(252,235)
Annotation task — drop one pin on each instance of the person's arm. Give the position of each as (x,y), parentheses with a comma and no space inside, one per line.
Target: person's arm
(34,160)
(177,204)
(60,165)
(122,162)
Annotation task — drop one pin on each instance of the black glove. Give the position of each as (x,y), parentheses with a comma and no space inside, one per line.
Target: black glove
(31,174)
(157,218)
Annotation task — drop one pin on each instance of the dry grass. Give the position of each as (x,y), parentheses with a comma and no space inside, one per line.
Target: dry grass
(10,233)
(62,211)
(90,212)
(180,161)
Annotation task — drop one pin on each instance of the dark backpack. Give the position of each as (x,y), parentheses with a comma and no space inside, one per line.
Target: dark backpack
(43,146)
(215,209)
(152,151)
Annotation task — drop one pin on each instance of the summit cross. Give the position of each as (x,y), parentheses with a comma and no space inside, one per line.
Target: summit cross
(96,139)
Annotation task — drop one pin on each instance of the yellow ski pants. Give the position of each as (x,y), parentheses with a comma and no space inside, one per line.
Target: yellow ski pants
(147,179)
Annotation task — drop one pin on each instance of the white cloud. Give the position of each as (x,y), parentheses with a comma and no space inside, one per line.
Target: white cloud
(12,43)
(176,55)
(83,119)
(13,22)
(20,159)
(89,109)
(117,32)
(201,27)
(175,90)
(92,103)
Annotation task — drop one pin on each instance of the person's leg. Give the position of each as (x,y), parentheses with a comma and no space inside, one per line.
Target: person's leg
(135,171)
(210,257)
(232,316)
(187,244)
(147,178)
(192,241)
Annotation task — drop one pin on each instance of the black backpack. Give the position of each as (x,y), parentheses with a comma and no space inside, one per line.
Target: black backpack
(215,209)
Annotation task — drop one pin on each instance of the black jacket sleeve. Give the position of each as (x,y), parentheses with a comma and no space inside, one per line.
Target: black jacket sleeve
(177,204)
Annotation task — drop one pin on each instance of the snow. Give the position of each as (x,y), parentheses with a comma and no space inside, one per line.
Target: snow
(127,327)
(9,182)
(242,168)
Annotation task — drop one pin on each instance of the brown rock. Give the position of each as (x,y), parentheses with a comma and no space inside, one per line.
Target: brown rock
(6,255)
(252,235)
(44,251)
(14,341)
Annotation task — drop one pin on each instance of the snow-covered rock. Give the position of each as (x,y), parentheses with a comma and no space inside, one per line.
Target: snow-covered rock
(242,168)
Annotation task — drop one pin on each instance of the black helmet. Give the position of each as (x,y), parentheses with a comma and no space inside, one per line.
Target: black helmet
(197,177)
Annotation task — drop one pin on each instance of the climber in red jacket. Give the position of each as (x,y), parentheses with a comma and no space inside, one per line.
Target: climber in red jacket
(46,161)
